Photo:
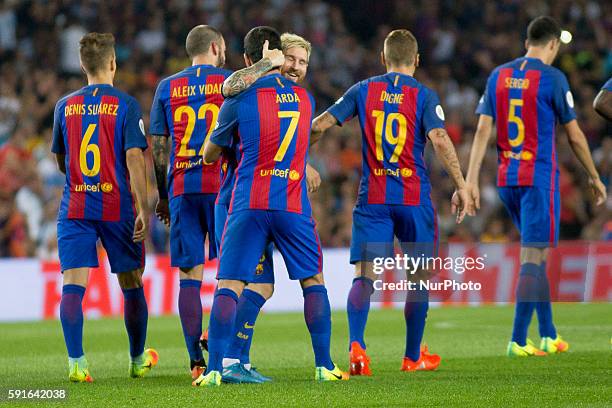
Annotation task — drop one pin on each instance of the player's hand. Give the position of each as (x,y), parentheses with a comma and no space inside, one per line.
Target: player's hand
(162,211)
(474,191)
(599,191)
(141,225)
(462,204)
(275,56)
(313,179)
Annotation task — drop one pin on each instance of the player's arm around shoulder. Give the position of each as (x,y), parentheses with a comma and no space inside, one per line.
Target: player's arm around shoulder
(245,77)
(320,124)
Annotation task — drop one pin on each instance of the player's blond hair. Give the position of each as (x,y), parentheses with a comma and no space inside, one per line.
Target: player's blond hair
(290,40)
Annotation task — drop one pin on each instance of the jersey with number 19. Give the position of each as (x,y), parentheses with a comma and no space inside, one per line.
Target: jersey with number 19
(185,107)
(94,127)
(526,98)
(271,122)
(396,113)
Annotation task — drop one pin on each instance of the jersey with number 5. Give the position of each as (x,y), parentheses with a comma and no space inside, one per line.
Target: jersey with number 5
(526,98)
(272,122)
(185,107)
(396,113)
(94,127)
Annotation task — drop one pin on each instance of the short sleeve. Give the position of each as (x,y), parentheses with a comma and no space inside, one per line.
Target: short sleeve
(608,85)
(226,123)
(433,114)
(345,107)
(57,146)
(158,124)
(485,105)
(133,128)
(563,100)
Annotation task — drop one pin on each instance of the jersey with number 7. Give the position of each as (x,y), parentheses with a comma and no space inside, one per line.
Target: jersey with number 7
(396,113)
(271,121)
(526,98)
(93,127)
(185,107)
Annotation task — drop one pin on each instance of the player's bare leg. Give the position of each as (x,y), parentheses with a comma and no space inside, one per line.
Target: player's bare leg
(358,307)
(317,313)
(190,313)
(71,316)
(135,315)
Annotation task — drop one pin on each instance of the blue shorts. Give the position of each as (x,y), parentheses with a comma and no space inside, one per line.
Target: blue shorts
(376,225)
(192,218)
(264,271)
(248,232)
(76,240)
(535,211)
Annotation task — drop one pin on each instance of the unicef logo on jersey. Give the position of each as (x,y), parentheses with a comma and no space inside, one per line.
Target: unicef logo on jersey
(570,99)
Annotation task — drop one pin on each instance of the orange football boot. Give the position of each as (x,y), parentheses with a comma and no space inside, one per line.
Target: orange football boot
(426,362)
(359,360)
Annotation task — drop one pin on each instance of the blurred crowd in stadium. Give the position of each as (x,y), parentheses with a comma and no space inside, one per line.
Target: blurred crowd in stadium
(460,42)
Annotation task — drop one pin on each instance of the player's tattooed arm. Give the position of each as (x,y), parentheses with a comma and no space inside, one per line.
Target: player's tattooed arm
(160,164)
(321,123)
(61,162)
(462,203)
(242,79)
(160,161)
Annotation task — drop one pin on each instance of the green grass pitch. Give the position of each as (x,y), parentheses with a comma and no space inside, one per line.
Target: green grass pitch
(474,371)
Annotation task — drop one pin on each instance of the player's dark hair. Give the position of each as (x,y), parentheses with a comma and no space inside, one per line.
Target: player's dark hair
(199,39)
(254,40)
(400,48)
(543,29)
(96,49)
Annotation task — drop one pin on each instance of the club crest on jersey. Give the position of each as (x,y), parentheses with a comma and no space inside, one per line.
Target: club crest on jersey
(287,98)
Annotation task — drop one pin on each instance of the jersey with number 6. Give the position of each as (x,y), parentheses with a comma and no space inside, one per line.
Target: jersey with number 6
(185,107)
(526,98)
(396,113)
(93,127)
(272,121)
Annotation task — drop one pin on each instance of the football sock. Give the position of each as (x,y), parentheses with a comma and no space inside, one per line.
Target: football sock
(544,306)
(317,313)
(526,296)
(190,312)
(71,316)
(135,315)
(415,313)
(358,307)
(247,310)
(220,327)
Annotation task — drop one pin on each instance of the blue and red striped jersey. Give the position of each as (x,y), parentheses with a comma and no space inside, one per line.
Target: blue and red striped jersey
(272,121)
(229,162)
(526,97)
(185,107)
(94,127)
(396,113)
